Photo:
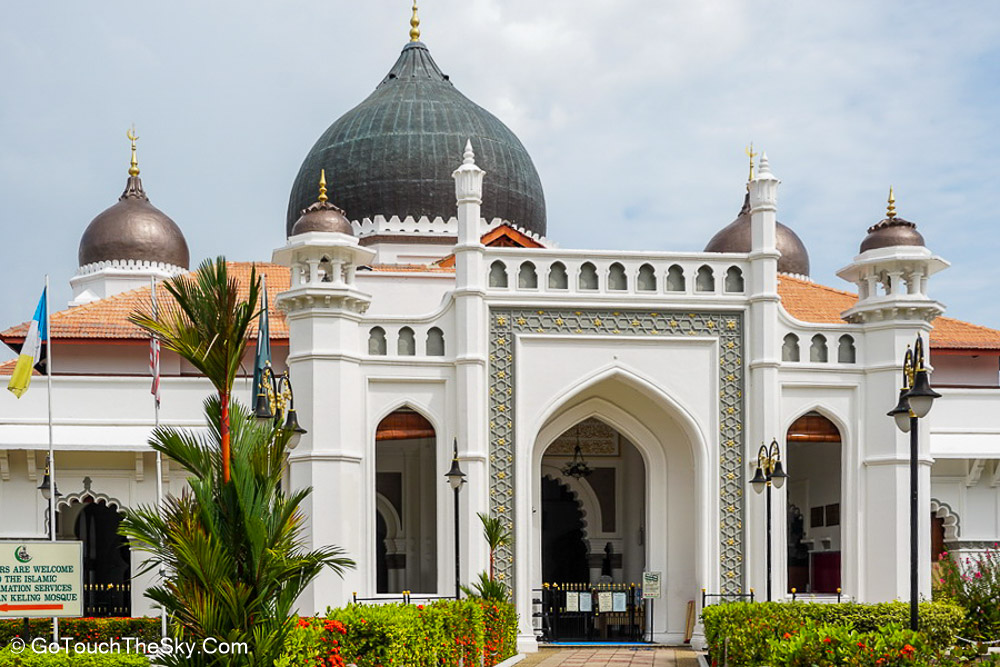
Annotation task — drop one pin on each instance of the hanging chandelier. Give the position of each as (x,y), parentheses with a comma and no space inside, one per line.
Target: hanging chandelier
(578,467)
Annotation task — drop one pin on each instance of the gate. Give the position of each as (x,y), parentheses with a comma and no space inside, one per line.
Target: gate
(585,612)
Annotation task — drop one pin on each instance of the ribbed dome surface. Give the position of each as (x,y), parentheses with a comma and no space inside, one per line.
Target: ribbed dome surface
(892,232)
(735,237)
(133,229)
(394,153)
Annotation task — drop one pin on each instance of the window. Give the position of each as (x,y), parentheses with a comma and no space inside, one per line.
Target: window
(588,277)
(790,348)
(498,274)
(558,279)
(527,278)
(406,345)
(435,342)
(617,280)
(734,279)
(647,278)
(376,341)
(675,279)
(705,280)
(846,353)
(817,350)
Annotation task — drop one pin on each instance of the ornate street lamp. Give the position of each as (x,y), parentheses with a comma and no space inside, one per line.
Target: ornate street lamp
(456,479)
(769,472)
(276,403)
(46,487)
(915,400)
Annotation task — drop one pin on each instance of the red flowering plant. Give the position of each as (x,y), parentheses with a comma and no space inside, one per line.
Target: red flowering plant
(85,630)
(822,645)
(974,583)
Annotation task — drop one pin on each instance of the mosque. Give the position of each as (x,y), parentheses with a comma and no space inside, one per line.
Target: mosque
(607,406)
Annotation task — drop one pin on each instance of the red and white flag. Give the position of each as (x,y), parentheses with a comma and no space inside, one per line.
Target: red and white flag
(154,357)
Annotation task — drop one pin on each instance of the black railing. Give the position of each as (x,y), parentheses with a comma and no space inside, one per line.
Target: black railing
(405,597)
(585,612)
(102,600)
(725,597)
(795,595)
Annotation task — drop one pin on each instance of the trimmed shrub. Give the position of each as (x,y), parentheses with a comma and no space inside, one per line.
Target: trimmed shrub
(445,633)
(749,626)
(28,658)
(85,630)
(819,645)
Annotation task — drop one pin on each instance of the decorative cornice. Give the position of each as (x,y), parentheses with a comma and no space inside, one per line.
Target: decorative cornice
(137,265)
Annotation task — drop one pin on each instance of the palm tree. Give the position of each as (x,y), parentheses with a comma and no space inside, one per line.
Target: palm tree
(234,550)
(496,536)
(207,323)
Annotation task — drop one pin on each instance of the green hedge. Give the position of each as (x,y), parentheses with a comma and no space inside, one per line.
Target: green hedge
(28,658)
(749,626)
(83,629)
(445,633)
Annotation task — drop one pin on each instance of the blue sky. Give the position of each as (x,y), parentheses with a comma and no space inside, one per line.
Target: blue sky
(635,112)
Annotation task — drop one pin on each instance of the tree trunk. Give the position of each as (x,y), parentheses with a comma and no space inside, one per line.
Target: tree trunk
(224,430)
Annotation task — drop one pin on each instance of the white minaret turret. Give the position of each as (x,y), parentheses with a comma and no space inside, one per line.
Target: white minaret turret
(764,352)
(471,324)
(893,306)
(324,309)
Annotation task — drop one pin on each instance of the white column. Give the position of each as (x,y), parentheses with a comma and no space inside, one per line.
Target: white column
(763,391)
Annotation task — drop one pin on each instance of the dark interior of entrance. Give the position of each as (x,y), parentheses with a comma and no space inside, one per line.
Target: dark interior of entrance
(564,553)
(106,556)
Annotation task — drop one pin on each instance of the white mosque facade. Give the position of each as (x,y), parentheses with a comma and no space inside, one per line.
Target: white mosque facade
(435,313)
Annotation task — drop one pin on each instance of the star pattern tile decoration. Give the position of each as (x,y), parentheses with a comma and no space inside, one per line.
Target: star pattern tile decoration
(726,327)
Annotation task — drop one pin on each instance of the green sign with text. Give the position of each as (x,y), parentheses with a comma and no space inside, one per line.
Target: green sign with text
(41,579)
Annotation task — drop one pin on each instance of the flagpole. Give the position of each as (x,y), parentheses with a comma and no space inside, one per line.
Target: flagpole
(52,453)
(159,460)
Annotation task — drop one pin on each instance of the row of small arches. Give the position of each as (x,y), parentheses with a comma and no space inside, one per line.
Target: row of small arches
(818,349)
(406,342)
(617,278)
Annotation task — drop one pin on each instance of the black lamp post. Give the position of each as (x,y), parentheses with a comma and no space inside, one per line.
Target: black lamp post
(47,490)
(456,478)
(769,472)
(915,400)
(276,403)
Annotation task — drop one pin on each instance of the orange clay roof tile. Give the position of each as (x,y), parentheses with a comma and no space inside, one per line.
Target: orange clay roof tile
(809,302)
(107,319)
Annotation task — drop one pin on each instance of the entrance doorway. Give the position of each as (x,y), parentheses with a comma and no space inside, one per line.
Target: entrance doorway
(814,501)
(406,486)
(593,507)
(106,555)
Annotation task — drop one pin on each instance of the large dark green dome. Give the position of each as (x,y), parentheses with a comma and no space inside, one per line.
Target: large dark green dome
(394,153)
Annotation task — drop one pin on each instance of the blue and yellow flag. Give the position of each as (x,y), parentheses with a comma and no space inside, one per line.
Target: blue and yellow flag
(31,350)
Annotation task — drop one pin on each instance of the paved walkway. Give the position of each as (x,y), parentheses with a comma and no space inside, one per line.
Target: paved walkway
(578,657)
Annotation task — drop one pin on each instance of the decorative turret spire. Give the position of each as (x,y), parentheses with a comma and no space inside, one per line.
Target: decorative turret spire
(468,157)
(414,24)
(133,169)
(890,210)
(322,185)
(751,155)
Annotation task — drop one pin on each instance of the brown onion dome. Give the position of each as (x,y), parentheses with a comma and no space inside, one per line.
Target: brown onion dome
(892,231)
(133,229)
(321,215)
(735,237)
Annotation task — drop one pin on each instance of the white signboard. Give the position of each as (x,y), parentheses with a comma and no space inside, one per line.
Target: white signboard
(605,602)
(572,601)
(586,602)
(620,602)
(41,579)
(650,585)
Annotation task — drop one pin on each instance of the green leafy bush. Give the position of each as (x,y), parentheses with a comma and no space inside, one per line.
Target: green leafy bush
(27,658)
(974,584)
(750,626)
(819,645)
(445,633)
(85,630)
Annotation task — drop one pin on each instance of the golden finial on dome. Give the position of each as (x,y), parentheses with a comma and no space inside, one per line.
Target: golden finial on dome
(751,155)
(133,169)
(322,185)
(890,211)
(414,24)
